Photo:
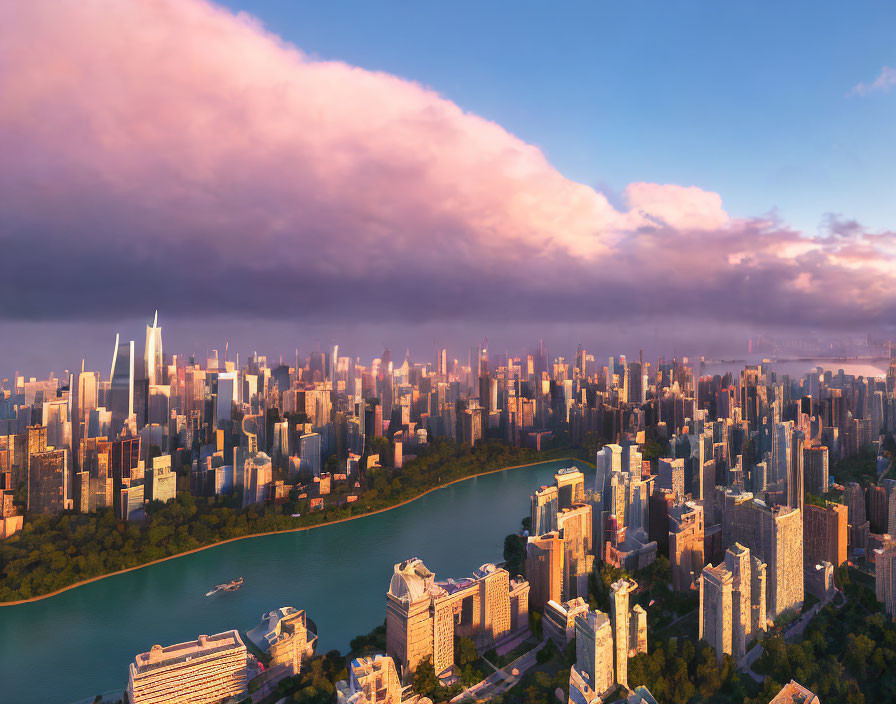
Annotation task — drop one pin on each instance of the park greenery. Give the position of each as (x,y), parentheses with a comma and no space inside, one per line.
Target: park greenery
(52,552)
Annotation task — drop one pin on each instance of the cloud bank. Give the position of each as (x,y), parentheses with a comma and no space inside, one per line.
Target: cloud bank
(170,154)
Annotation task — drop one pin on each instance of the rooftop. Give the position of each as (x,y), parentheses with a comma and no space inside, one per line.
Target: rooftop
(182,652)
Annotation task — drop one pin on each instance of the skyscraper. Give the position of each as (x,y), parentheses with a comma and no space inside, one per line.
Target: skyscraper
(686,549)
(775,536)
(121,389)
(619,612)
(885,578)
(815,467)
(732,602)
(424,616)
(795,476)
(825,533)
(594,653)
(152,356)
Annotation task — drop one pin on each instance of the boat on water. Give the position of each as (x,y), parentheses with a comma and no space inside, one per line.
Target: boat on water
(231,586)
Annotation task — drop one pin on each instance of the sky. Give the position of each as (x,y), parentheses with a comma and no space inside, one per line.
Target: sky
(285,174)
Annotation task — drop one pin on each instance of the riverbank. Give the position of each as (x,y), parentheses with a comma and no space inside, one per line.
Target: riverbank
(296,529)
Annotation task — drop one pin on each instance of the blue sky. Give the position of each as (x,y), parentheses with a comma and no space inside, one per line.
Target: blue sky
(747,99)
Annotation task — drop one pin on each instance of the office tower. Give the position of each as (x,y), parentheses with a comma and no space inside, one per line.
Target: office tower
(635,383)
(36,441)
(661,502)
(226,397)
(543,510)
(284,636)
(795,477)
(204,671)
(161,482)
(758,596)
(716,609)
(686,549)
(471,426)
(738,563)
(815,466)
(885,578)
(255,475)
(619,612)
(794,693)
(371,680)
(781,451)
(152,356)
(825,534)
(423,616)
(544,568)
(575,528)
(48,483)
(121,390)
(593,672)
(442,365)
(333,361)
(607,462)
(775,536)
(87,386)
(671,476)
(310,454)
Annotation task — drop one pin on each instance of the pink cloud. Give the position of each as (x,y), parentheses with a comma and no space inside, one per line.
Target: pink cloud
(885,80)
(169,152)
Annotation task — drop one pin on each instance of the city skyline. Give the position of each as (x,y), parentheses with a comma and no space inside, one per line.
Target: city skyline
(226,172)
(432,353)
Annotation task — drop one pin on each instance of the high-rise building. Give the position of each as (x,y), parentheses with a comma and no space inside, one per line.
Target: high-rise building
(575,526)
(671,476)
(544,568)
(160,481)
(885,578)
(686,544)
(604,645)
(204,671)
(120,401)
(775,536)
(815,466)
(716,610)
(152,356)
(621,619)
(594,656)
(424,616)
(796,491)
(543,510)
(559,620)
(570,487)
(732,602)
(49,486)
(225,397)
(825,534)
(371,680)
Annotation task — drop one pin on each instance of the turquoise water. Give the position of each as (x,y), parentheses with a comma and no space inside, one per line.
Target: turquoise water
(79,643)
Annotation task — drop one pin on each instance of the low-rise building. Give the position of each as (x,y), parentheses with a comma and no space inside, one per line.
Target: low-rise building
(372,680)
(207,670)
(287,636)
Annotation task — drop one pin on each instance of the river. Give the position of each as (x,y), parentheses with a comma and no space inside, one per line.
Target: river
(79,643)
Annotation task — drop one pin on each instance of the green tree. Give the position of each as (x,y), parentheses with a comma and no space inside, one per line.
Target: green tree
(425,681)
(465,652)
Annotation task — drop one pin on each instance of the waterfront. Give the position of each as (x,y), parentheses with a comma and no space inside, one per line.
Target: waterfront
(338,573)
